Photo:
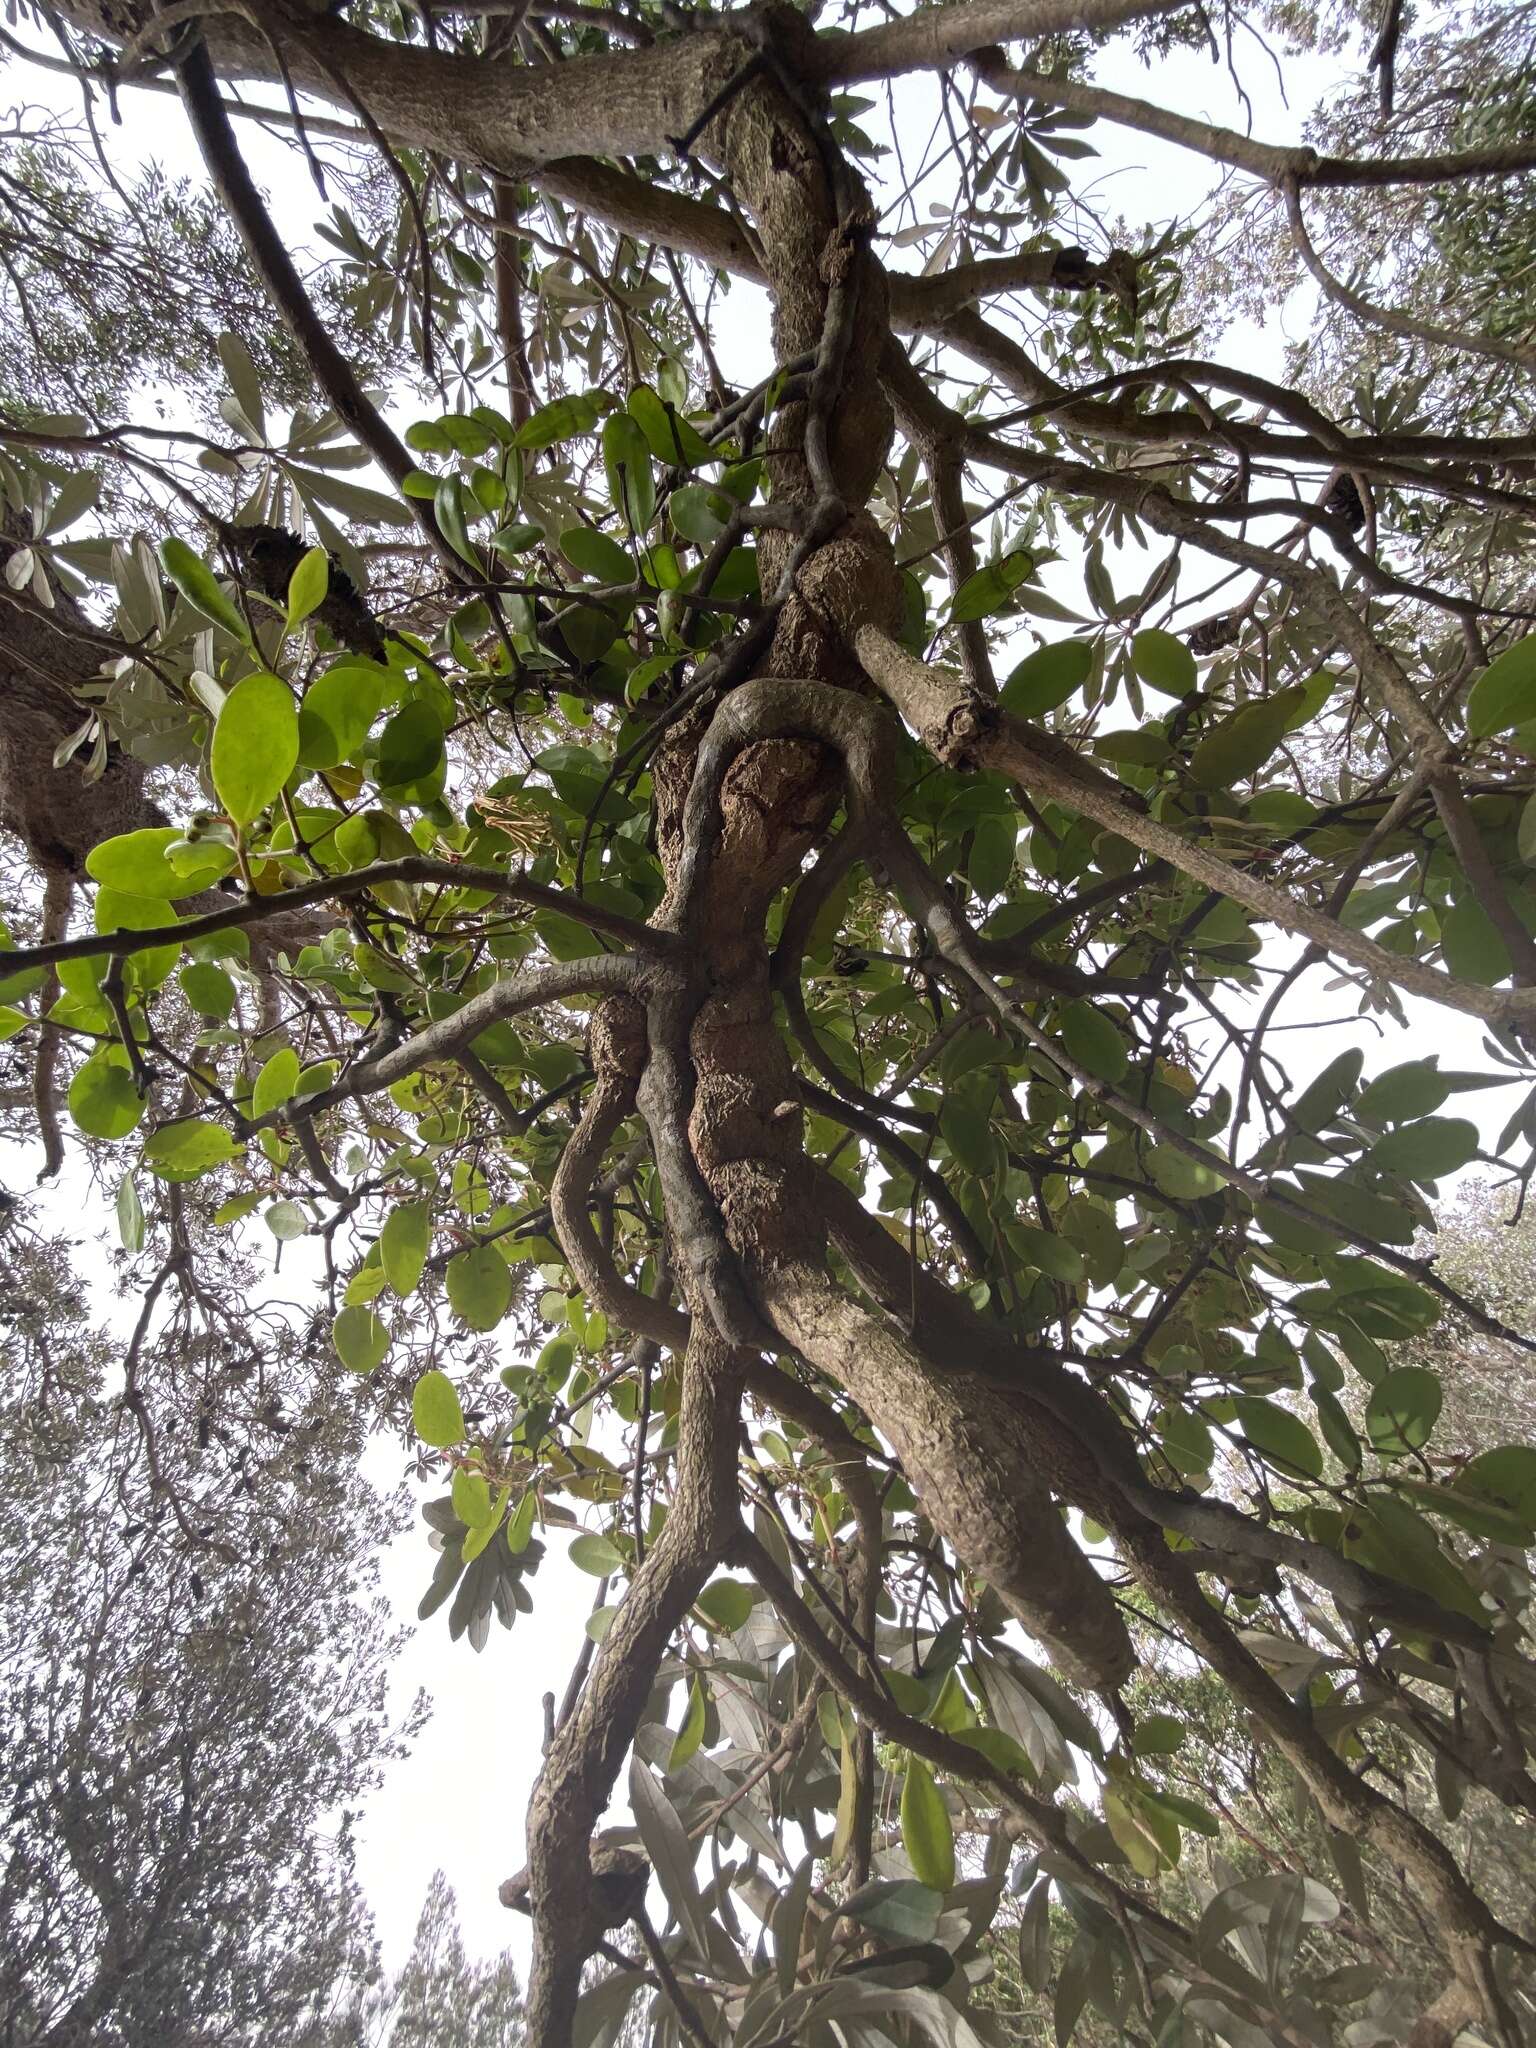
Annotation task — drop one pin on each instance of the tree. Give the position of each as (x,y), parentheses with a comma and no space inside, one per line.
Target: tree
(443,2000)
(192,1712)
(853,1084)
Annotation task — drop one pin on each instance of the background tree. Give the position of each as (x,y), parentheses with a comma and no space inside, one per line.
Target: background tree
(441,1999)
(192,1677)
(855,1084)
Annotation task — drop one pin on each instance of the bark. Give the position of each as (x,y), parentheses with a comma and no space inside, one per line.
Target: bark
(46,656)
(990,1435)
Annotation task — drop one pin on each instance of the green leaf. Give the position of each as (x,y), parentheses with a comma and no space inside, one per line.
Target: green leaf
(966,1128)
(102,1097)
(1049,1252)
(587,631)
(726,1604)
(255,746)
(1405,1092)
(452,517)
(200,587)
(207,988)
(671,438)
(992,852)
(926,1832)
(188,1149)
(999,1748)
(1159,1735)
(307,586)
(594,554)
(520,1523)
(691,1734)
(1404,1408)
(472,1498)
(700,513)
(276,1081)
(1281,1436)
(1322,1099)
(337,710)
(361,1340)
(1164,663)
(1137,1835)
(130,1215)
(1338,1430)
(435,1411)
(991,587)
(286,1221)
(1506,1476)
(1048,677)
(627,461)
(1471,946)
(1504,695)
(410,746)
(558,421)
(136,863)
(480,1286)
(595,1554)
(243,380)
(403,1245)
(897,1908)
(1426,1150)
(1093,1042)
(1239,745)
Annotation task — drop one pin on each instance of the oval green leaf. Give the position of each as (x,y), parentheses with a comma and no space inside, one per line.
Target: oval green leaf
(1404,1408)
(480,1286)
(435,1411)
(1504,695)
(403,1245)
(337,710)
(1163,662)
(188,1149)
(1048,677)
(1280,1436)
(102,1097)
(255,746)
(136,863)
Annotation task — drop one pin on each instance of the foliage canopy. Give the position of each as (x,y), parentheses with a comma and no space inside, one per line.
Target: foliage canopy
(775,908)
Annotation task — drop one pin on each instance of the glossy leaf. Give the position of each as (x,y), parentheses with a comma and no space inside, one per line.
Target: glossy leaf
(1047,677)
(927,1833)
(200,587)
(189,1149)
(403,1245)
(479,1285)
(1164,662)
(361,1339)
(103,1097)
(255,746)
(435,1411)
(1504,695)
(1404,1408)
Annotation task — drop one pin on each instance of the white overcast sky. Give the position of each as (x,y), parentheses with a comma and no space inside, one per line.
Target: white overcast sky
(459,1800)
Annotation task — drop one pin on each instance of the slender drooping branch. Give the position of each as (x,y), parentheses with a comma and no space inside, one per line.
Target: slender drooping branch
(410,870)
(965,730)
(1265,160)
(332,369)
(1404,325)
